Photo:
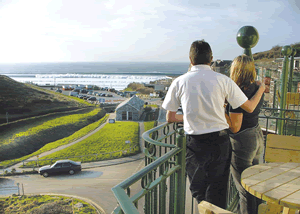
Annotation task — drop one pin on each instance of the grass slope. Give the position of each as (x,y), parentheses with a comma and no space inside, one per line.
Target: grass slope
(109,139)
(21,100)
(32,139)
(82,132)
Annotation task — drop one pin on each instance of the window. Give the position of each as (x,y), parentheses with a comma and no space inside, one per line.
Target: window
(129,115)
(297,64)
(124,115)
(58,165)
(66,165)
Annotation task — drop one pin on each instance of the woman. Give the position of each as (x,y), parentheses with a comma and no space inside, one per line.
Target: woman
(245,133)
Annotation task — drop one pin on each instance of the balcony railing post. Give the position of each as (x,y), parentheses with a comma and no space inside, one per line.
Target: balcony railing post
(274,94)
(286,51)
(162,193)
(180,179)
(291,70)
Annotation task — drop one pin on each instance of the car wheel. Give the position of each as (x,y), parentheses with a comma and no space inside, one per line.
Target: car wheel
(71,172)
(45,174)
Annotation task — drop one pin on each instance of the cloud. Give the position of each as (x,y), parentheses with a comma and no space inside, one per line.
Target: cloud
(156,29)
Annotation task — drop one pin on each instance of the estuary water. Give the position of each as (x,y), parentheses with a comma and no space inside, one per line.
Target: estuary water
(103,74)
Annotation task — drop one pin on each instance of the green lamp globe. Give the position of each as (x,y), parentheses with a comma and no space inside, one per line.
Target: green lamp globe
(247,37)
(286,50)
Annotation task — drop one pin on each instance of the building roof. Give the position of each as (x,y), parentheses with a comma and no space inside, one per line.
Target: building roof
(134,101)
(221,63)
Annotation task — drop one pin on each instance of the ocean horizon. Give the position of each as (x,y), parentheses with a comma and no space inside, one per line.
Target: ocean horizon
(104,74)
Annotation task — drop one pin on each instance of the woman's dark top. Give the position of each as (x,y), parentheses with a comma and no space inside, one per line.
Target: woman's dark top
(249,119)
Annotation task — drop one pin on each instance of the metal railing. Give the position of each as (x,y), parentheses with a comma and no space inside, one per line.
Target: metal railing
(162,176)
(163,182)
(18,189)
(269,120)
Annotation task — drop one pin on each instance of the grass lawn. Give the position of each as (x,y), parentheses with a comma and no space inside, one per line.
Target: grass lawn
(107,143)
(61,121)
(149,125)
(45,204)
(82,132)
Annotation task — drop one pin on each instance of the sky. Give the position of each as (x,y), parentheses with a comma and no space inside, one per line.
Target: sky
(139,30)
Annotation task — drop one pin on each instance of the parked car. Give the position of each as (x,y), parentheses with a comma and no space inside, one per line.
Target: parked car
(77,90)
(90,93)
(83,91)
(59,91)
(92,99)
(95,93)
(109,95)
(85,97)
(73,93)
(61,166)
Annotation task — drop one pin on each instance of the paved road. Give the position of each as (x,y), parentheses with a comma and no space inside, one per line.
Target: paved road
(94,184)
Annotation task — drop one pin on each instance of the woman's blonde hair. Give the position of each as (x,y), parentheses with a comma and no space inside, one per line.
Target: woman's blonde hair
(242,71)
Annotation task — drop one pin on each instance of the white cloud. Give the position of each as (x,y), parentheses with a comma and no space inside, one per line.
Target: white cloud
(73,30)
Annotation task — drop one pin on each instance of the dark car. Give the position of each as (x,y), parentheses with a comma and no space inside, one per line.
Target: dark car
(83,91)
(92,99)
(61,166)
(59,91)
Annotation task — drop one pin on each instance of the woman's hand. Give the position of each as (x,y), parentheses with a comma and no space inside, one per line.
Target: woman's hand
(261,84)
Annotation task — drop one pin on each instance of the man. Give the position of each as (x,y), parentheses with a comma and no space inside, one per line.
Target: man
(201,92)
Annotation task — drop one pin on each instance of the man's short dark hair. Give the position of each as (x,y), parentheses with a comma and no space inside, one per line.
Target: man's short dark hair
(200,52)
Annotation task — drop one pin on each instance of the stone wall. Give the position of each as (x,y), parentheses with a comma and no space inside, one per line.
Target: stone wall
(128,108)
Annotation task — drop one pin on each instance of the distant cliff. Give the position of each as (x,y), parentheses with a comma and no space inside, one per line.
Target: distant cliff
(275,52)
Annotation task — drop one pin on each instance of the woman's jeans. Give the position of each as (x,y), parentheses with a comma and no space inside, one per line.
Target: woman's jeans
(248,147)
(207,166)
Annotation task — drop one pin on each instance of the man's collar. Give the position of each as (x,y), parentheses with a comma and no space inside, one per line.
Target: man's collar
(198,67)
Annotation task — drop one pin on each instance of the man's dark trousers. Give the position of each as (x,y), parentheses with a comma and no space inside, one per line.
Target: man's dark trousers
(207,165)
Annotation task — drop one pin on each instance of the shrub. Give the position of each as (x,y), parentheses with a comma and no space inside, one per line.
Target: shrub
(52,208)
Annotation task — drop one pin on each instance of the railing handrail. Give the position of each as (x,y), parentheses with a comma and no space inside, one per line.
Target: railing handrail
(128,204)
(119,192)
(146,136)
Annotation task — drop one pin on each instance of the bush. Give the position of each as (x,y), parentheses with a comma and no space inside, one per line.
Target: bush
(44,205)
(52,208)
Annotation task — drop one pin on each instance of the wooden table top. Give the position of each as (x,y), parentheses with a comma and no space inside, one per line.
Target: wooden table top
(274,182)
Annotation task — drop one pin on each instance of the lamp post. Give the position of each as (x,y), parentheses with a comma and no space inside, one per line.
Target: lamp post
(247,37)
(286,52)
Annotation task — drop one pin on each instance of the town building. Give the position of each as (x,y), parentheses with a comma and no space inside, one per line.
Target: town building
(131,109)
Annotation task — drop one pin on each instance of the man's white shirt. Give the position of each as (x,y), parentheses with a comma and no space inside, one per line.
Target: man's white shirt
(202,92)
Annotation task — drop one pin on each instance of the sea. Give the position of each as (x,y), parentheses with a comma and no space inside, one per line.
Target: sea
(103,74)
